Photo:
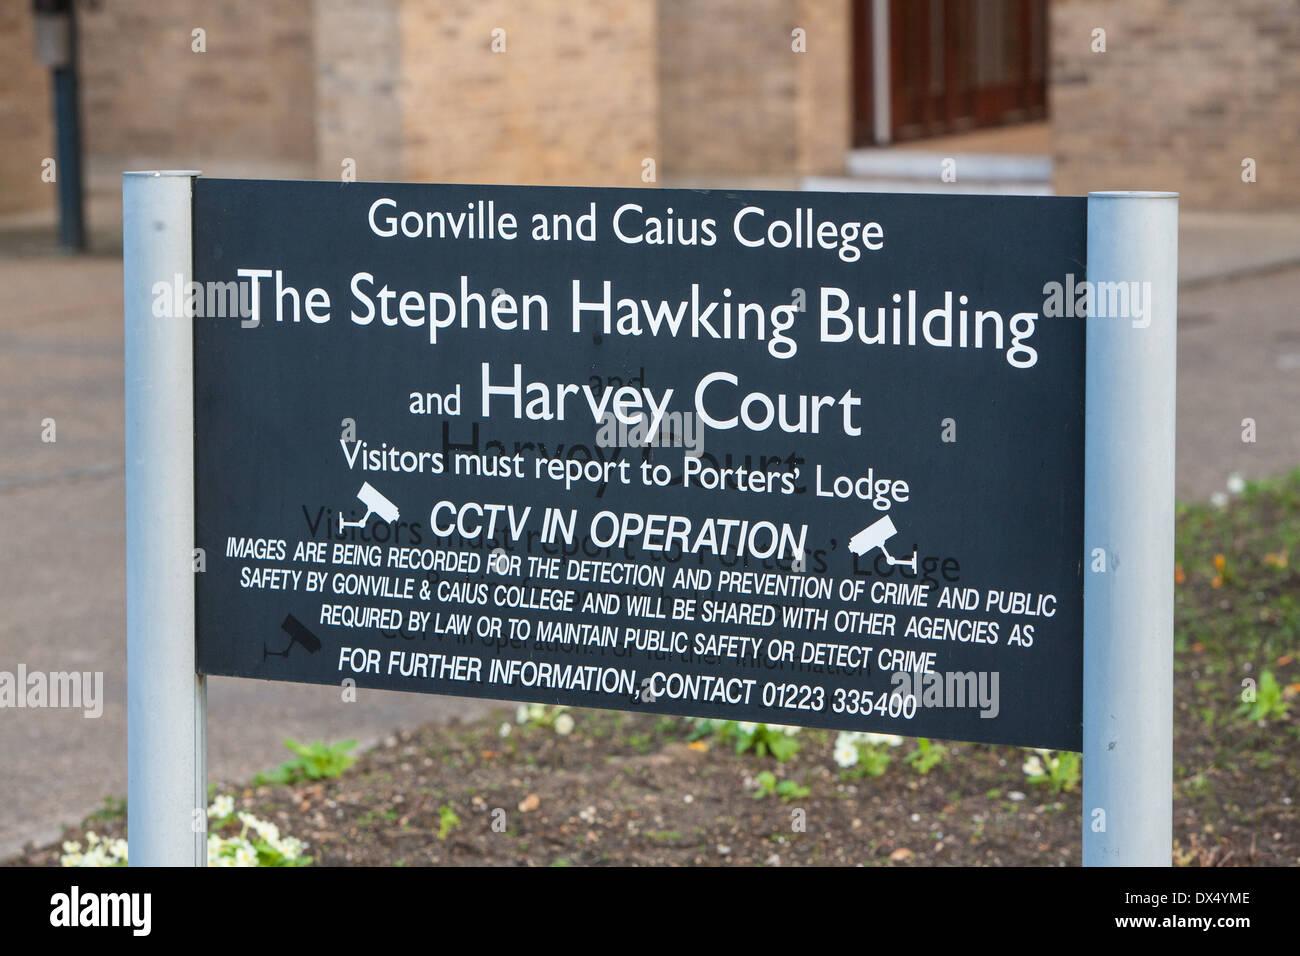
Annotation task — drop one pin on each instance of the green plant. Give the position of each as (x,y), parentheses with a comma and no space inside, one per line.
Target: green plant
(1058,769)
(925,757)
(641,743)
(314,761)
(447,821)
(787,790)
(269,848)
(668,726)
(1269,703)
(114,808)
(555,717)
(763,739)
(873,760)
(863,754)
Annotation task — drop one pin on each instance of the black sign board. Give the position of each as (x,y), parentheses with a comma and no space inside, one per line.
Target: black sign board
(799,458)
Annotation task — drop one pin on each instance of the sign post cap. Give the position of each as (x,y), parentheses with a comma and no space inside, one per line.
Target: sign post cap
(162,172)
(1132,194)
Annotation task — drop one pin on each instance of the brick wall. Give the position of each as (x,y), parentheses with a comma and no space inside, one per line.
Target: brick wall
(572,100)
(728,86)
(1185,90)
(358,76)
(737,99)
(411,89)
(246,104)
(26,129)
(824,108)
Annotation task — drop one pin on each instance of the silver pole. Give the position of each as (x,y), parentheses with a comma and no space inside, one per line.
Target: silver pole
(1128,618)
(166,703)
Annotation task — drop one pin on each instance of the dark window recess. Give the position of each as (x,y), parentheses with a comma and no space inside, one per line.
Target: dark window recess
(953,65)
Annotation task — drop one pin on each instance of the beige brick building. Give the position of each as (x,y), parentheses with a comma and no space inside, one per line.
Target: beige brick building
(1184,93)
(601,92)
(25,126)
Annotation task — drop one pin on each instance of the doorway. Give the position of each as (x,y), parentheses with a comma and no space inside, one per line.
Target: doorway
(932,67)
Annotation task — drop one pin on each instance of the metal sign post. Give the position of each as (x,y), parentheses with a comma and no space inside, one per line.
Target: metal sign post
(1119,605)
(1128,624)
(166,746)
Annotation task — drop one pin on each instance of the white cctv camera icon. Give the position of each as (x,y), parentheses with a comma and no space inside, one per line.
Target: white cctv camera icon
(875,535)
(375,503)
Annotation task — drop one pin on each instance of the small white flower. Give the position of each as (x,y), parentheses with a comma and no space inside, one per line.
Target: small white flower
(72,855)
(846,752)
(564,725)
(1219,499)
(505,729)
(1236,484)
(521,714)
(1033,767)
(892,740)
(222,807)
(746,727)
(216,851)
(215,855)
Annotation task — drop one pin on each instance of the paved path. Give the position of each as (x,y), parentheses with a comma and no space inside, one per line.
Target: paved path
(61,571)
(1238,358)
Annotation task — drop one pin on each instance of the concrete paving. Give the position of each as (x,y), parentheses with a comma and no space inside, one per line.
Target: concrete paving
(62,503)
(1238,358)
